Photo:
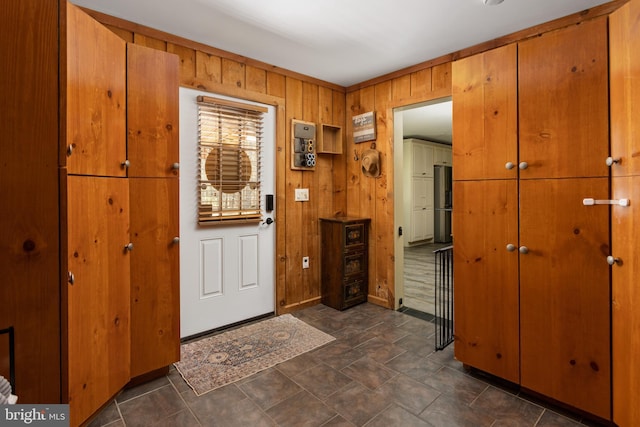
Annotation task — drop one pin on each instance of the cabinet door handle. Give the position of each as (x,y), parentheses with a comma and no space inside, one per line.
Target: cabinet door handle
(523,250)
(128,247)
(71,278)
(610,161)
(175,166)
(125,164)
(509,166)
(611,260)
(620,202)
(523,165)
(511,247)
(175,240)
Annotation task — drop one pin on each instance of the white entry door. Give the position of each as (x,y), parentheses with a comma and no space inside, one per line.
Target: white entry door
(227,272)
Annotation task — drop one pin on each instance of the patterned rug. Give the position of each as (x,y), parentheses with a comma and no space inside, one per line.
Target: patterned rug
(221,359)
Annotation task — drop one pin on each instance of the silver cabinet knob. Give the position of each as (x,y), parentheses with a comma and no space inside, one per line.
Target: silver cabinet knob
(128,247)
(175,166)
(523,165)
(523,250)
(610,161)
(69,150)
(612,260)
(125,164)
(509,165)
(175,240)
(71,278)
(511,247)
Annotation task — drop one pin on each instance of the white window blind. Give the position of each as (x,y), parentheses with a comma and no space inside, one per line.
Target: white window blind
(230,141)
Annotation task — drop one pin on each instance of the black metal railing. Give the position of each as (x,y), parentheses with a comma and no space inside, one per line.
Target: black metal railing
(444,297)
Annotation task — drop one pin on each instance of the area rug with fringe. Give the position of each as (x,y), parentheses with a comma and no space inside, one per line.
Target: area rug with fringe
(212,362)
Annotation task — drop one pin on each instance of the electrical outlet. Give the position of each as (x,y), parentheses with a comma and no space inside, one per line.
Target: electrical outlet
(301,195)
(305,262)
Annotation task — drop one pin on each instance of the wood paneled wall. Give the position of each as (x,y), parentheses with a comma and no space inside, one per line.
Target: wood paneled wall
(337,186)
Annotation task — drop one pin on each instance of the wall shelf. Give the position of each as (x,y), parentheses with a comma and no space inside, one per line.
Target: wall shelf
(330,139)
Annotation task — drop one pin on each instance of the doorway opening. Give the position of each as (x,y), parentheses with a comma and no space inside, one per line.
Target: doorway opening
(423,170)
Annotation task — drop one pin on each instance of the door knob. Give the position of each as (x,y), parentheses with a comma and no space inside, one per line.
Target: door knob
(511,247)
(125,164)
(128,247)
(523,165)
(175,166)
(523,250)
(176,240)
(509,165)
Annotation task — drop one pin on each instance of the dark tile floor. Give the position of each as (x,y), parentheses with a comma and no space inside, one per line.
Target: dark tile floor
(380,371)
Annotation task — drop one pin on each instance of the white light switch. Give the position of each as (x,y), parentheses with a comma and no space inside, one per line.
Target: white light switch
(302,195)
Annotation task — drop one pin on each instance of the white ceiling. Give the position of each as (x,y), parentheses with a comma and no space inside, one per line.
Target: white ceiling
(338,41)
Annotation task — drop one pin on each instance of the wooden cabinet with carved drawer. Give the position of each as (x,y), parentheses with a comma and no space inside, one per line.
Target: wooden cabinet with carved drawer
(344,261)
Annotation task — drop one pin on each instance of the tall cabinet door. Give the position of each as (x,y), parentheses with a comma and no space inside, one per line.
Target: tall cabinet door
(155,274)
(624,41)
(96,98)
(563,102)
(97,310)
(152,121)
(485,271)
(152,112)
(485,115)
(485,214)
(564,292)
(564,277)
(95,218)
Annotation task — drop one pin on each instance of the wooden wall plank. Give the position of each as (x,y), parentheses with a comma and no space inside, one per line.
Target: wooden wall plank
(421,82)
(149,42)
(233,73)
(401,87)
(208,67)
(256,79)
(339,161)
(123,34)
(187,61)
(276,84)
(325,161)
(311,180)
(382,228)
(441,77)
(295,232)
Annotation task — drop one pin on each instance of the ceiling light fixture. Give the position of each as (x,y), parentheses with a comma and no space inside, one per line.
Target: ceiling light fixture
(492,2)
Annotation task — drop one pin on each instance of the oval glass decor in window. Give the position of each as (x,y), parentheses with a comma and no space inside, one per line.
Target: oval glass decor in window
(230,140)
(228,168)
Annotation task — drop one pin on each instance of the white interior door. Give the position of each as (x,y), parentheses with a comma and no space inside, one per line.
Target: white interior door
(227,273)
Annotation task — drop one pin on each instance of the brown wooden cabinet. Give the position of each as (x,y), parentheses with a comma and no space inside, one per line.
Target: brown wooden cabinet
(560,315)
(344,261)
(96,294)
(95,218)
(486,303)
(485,214)
(564,276)
(624,67)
